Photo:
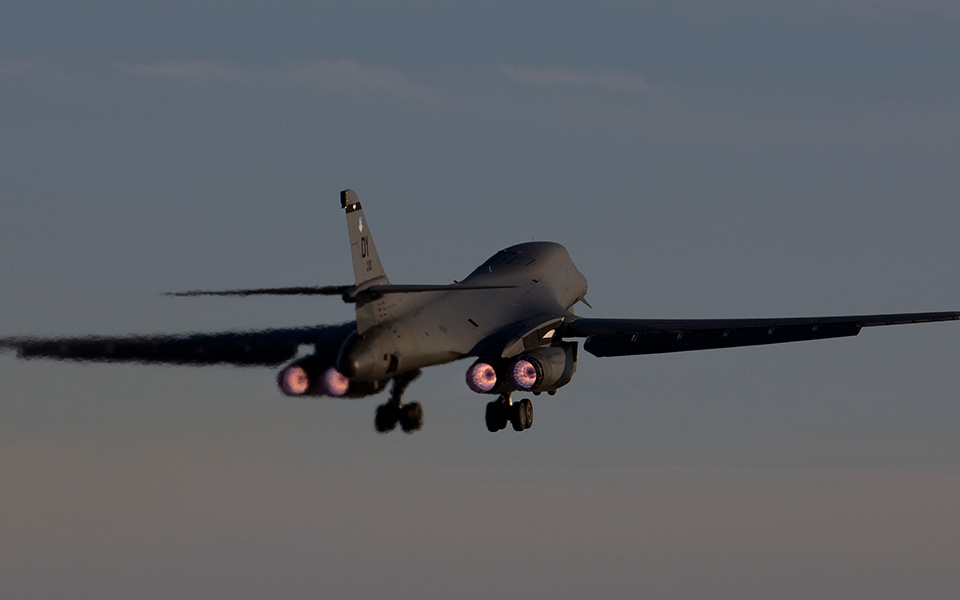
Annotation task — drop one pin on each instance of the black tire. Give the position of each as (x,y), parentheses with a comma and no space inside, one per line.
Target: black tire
(518,417)
(411,417)
(503,415)
(386,418)
(493,417)
(527,405)
(496,416)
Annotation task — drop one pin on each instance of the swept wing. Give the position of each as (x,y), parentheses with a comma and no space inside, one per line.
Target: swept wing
(631,337)
(268,347)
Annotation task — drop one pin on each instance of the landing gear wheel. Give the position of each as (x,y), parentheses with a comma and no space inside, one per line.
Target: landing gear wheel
(526,405)
(518,417)
(411,417)
(496,416)
(386,417)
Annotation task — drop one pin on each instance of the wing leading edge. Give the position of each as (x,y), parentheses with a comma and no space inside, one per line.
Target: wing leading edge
(246,348)
(631,337)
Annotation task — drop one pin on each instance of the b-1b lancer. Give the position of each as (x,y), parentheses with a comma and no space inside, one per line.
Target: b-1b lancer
(513,315)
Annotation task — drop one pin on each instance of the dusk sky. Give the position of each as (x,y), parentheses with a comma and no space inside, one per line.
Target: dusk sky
(697,159)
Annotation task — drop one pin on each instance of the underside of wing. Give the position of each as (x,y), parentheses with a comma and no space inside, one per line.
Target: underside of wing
(629,337)
(246,348)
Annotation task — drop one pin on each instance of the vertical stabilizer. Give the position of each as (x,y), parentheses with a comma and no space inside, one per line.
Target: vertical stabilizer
(366,264)
(366,261)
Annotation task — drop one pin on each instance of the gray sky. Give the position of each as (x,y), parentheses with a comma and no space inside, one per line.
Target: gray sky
(698,159)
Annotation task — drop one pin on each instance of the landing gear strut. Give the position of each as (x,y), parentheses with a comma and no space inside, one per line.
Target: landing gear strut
(410,416)
(503,410)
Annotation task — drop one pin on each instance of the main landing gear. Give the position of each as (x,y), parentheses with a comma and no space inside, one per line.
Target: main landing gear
(504,409)
(410,416)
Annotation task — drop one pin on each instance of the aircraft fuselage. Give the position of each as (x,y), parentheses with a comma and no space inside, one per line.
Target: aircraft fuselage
(439,327)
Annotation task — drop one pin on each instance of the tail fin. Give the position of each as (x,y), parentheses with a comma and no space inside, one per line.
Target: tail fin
(366,261)
(367,268)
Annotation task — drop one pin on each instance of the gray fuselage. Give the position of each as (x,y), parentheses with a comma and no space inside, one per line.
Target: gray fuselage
(540,281)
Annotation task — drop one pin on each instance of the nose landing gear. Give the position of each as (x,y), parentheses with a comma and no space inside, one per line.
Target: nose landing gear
(503,410)
(410,416)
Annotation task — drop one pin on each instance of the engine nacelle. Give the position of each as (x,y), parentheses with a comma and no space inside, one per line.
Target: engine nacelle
(544,369)
(296,380)
(312,376)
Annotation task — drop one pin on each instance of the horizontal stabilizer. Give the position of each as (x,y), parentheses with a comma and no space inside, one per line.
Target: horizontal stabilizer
(414,288)
(327,290)
(349,293)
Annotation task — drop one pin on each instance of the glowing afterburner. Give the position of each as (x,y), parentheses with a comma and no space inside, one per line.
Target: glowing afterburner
(524,374)
(481,377)
(294,381)
(335,383)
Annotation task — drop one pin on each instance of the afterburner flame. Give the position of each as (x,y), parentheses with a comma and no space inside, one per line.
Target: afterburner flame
(335,383)
(524,374)
(294,381)
(481,377)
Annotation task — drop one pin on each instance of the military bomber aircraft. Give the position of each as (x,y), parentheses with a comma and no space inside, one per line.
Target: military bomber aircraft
(513,315)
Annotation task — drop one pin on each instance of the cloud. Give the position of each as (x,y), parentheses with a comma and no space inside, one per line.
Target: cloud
(16,67)
(35,70)
(343,75)
(356,77)
(896,11)
(197,71)
(616,81)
